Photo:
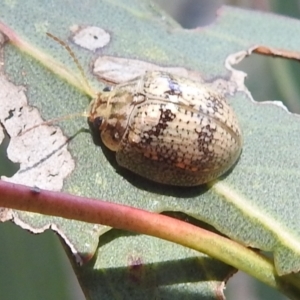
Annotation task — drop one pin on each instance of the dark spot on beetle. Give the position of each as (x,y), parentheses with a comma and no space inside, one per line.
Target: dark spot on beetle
(166,115)
(205,138)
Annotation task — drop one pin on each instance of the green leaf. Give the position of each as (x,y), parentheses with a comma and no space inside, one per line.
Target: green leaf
(255,204)
(129,265)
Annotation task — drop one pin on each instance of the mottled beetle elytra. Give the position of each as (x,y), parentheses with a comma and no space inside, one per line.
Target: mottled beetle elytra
(167,128)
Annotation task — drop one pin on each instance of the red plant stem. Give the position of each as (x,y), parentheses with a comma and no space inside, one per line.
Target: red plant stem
(132,219)
(69,206)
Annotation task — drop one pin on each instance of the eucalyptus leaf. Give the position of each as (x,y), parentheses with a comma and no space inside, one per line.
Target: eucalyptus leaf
(256,203)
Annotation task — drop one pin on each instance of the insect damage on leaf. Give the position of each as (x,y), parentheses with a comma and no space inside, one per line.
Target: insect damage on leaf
(91,37)
(120,70)
(42,153)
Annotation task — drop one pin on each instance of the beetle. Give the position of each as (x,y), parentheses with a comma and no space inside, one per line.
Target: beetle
(167,128)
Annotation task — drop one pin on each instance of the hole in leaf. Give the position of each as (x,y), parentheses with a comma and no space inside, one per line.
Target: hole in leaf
(7,167)
(191,13)
(243,286)
(273,78)
(43,260)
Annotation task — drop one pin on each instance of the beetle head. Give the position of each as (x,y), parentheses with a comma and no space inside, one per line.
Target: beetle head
(109,113)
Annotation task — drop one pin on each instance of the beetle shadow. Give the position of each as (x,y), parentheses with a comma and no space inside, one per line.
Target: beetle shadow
(144,183)
(159,188)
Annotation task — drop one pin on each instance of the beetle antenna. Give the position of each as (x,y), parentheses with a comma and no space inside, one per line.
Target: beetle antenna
(83,80)
(55,120)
